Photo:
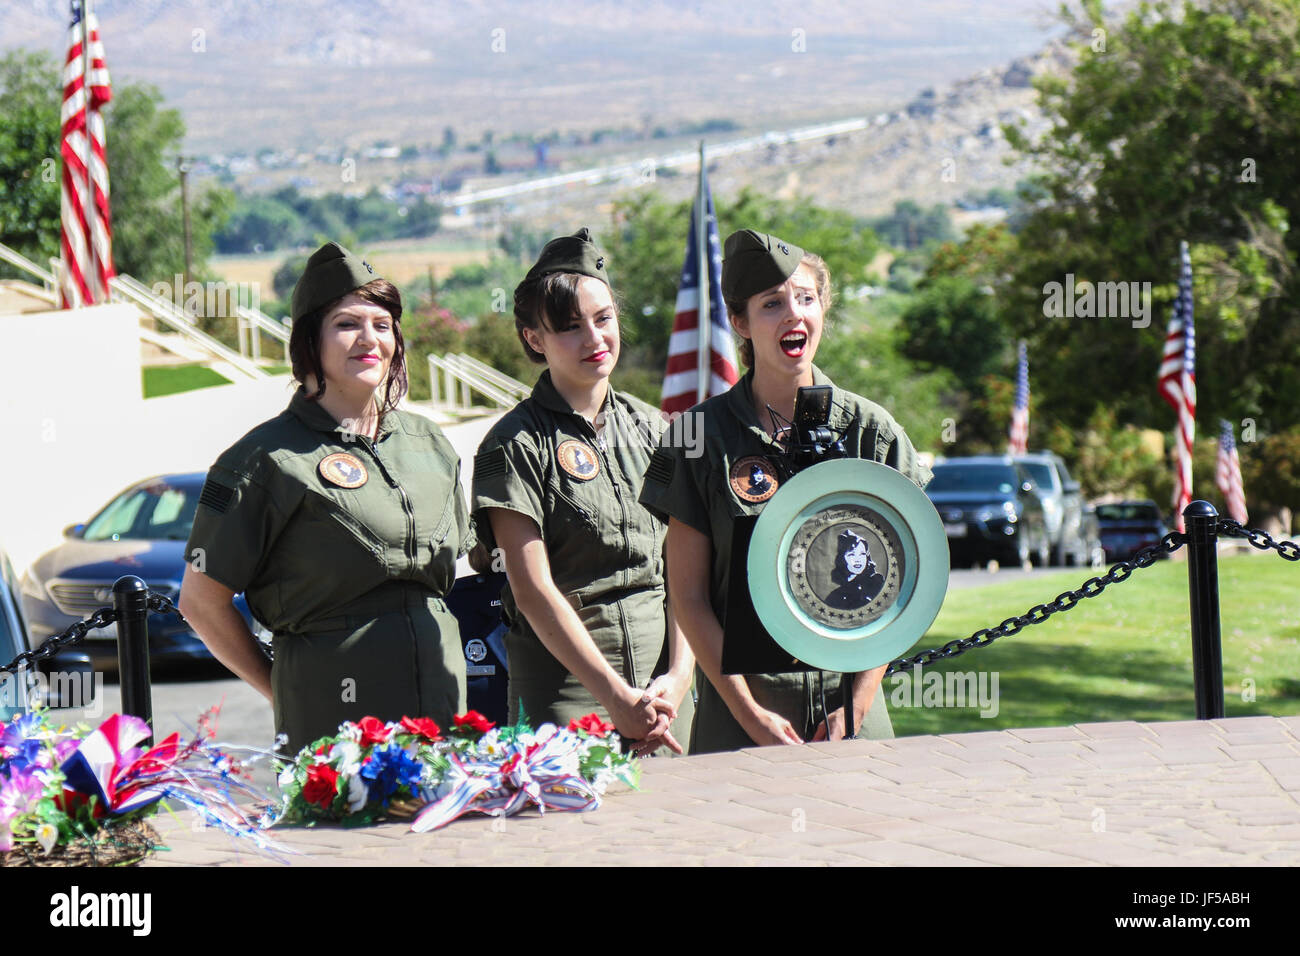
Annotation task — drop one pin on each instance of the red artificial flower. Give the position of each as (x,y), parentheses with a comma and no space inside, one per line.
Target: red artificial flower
(321,786)
(373,731)
(592,724)
(473,720)
(422,727)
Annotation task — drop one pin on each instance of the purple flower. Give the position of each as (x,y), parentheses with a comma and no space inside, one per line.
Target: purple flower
(19,793)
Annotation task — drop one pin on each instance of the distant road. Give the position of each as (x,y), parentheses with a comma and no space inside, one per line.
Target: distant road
(616,172)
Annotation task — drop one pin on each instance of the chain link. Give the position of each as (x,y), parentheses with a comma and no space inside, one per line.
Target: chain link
(73,635)
(1041,612)
(76,633)
(1229,528)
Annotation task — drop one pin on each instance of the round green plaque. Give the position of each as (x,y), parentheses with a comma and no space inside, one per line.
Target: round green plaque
(848,565)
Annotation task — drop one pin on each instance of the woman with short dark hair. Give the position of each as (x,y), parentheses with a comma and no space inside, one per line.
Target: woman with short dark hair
(555,489)
(341,520)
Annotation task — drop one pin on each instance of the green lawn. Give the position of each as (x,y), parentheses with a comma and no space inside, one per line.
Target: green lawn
(1124,655)
(170,379)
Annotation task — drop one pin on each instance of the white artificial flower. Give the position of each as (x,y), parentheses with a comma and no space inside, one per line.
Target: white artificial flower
(47,835)
(358,793)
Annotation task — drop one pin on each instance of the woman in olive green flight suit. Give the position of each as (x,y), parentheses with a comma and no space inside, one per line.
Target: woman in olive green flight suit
(776,296)
(341,520)
(555,492)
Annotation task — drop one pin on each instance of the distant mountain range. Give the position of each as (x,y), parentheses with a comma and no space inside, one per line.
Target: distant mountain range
(251,74)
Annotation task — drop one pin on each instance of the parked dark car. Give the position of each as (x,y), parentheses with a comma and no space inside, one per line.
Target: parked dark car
(990,511)
(1128,526)
(142,531)
(13,641)
(1062,507)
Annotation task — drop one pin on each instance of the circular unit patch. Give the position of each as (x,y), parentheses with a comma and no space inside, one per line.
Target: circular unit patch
(579,459)
(848,565)
(343,469)
(753,479)
(475,650)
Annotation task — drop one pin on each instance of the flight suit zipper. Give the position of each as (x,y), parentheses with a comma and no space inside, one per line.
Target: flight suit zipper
(408,545)
(626,578)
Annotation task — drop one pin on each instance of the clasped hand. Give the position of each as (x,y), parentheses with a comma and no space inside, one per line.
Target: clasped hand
(645,716)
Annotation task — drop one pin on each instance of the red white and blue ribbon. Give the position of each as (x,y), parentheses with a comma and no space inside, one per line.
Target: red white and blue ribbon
(107,764)
(542,774)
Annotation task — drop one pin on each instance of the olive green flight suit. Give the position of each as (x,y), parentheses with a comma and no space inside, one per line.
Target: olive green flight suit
(605,550)
(350,580)
(695,488)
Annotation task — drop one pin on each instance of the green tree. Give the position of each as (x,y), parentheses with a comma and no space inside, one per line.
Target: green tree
(955,324)
(1184,124)
(29,156)
(142,142)
(911,227)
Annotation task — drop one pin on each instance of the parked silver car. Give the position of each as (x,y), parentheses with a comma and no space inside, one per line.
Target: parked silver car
(1063,508)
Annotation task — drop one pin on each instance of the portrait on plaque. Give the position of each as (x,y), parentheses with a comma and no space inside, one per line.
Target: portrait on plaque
(845,566)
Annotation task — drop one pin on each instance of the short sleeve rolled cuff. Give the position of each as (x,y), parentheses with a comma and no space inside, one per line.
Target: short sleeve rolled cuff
(238,518)
(673,486)
(507,474)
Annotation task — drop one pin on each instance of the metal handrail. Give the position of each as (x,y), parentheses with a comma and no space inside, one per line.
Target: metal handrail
(251,322)
(455,373)
(277,330)
(128,289)
(15,258)
(503,381)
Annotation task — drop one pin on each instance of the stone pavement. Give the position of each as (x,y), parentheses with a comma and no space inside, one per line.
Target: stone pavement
(1195,793)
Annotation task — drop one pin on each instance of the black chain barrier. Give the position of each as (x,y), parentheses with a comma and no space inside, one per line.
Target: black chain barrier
(77,633)
(73,635)
(1259,539)
(1041,612)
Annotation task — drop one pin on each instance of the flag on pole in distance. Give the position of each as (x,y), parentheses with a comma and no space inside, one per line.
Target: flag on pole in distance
(1177,382)
(1019,433)
(86,237)
(682,377)
(1227,474)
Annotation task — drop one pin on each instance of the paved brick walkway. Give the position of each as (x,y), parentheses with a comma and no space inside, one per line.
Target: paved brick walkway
(1196,793)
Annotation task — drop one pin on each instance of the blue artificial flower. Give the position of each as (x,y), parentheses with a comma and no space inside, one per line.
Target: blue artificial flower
(389,768)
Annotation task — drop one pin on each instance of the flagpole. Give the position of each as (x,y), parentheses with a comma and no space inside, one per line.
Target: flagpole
(705,320)
(92,284)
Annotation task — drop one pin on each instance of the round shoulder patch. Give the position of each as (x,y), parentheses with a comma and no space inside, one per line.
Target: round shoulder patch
(343,469)
(753,479)
(579,459)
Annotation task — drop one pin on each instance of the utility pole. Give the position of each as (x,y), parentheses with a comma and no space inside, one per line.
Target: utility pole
(183,167)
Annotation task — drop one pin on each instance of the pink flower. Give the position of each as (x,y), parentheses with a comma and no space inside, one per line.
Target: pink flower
(18,795)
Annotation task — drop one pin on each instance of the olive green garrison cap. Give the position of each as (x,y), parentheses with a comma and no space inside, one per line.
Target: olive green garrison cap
(754,261)
(332,272)
(576,253)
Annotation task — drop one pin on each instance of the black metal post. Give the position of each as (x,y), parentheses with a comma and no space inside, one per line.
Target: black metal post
(131,601)
(1200,519)
(846,686)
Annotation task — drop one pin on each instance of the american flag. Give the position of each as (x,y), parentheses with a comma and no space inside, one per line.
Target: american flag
(1019,443)
(684,385)
(1178,381)
(1227,475)
(87,236)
